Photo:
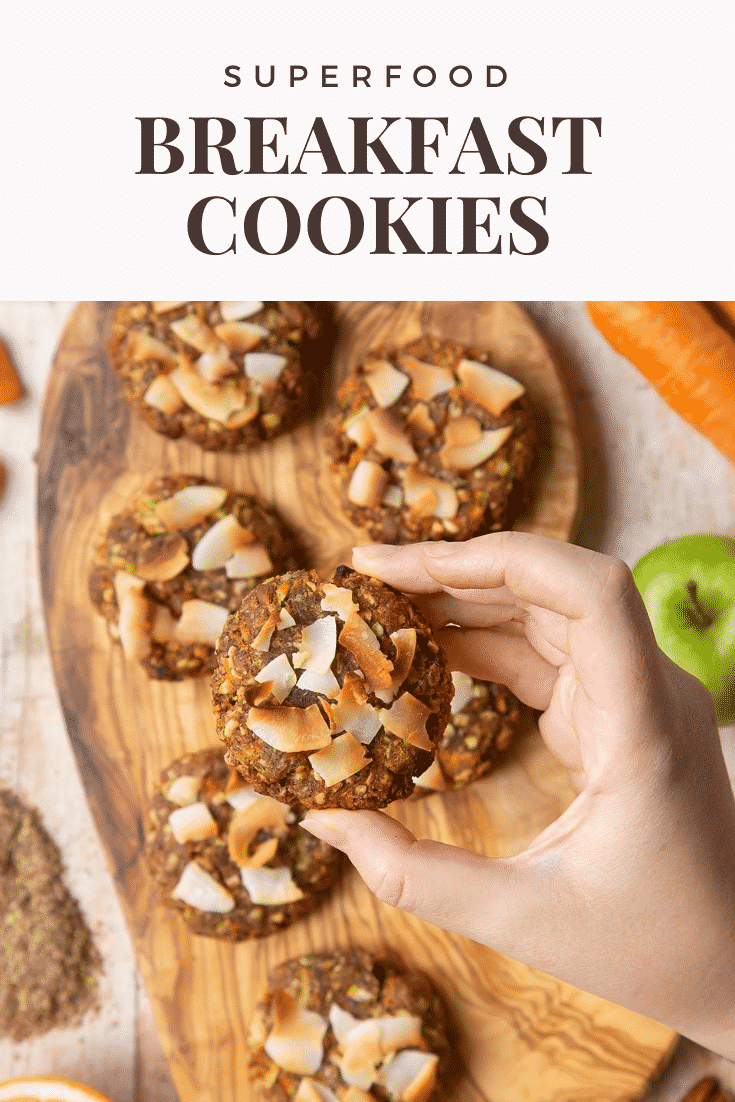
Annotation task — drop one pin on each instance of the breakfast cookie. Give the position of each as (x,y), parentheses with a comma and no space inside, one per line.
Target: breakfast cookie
(347,1027)
(431,442)
(484,718)
(168,571)
(224,374)
(330,694)
(234,863)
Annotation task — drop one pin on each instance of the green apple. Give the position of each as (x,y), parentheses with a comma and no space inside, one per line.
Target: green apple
(688,588)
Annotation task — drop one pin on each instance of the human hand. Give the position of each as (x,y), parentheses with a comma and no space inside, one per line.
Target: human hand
(630,894)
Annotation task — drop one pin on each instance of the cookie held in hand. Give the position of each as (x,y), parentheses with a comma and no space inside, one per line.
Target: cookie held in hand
(330,694)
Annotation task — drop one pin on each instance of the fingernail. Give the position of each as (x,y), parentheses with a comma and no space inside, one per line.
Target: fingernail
(376,550)
(325,833)
(441,550)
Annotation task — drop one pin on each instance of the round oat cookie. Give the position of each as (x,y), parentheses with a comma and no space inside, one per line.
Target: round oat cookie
(234,863)
(169,569)
(347,1027)
(484,719)
(432,442)
(330,694)
(226,375)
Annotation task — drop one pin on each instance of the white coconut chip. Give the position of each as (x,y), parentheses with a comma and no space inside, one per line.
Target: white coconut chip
(219,543)
(134,616)
(262,641)
(262,814)
(360,640)
(432,778)
(462,430)
(216,364)
(164,624)
(291,730)
(228,405)
(201,891)
(270,887)
(429,496)
(389,439)
(318,645)
(192,823)
(463,690)
(465,457)
(393,497)
(338,599)
(410,1076)
(355,1094)
(367,484)
(340,760)
(341,1022)
(280,675)
(252,561)
(200,622)
(326,684)
(310,1090)
(490,388)
(240,798)
(240,336)
(357,428)
(406,718)
(234,311)
(165,559)
(141,346)
(351,712)
(163,307)
(264,367)
(196,333)
(190,506)
(163,396)
(386,383)
(184,790)
(285,620)
(420,419)
(428,381)
(296,1041)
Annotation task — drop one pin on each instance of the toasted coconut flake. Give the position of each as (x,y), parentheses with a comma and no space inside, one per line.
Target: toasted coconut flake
(270,887)
(219,543)
(200,890)
(406,718)
(352,713)
(420,419)
(467,456)
(404,640)
(410,1076)
(279,675)
(369,1043)
(242,796)
(432,778)
(164,624)
(190,506)
(342,1022)
(291,730)
(243,416)
(264,367)
(261,814)
(164,558)
(196,333)
(367,484)
(386,383)
(192,823)
(310,1090)
(214,365)
(393,497)
(184,790)
(326,684)
(463,690)
(163,396)
(296,1041)
(249,562)
(338,761)
(428,381)
(360,640)
(233,311)
(429,496)
(358,429)
(490,388)
(318,645)
(355,1094)
(262,640)
(338,599)
(285,620)
(164,307)
(240,336)
(200,622)
(216,401)
(134,616)
(389,439)
(142,346)
(462,430)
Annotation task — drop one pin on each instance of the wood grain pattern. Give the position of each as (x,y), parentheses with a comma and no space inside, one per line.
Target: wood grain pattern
(521,1035)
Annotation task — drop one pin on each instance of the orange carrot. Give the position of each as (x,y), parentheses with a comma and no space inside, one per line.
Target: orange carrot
(687,356)
(11,387)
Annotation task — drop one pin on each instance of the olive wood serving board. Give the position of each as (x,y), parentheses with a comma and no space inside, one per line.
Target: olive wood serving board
(520,1036)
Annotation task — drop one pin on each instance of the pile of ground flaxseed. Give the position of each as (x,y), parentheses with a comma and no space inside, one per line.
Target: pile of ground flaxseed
(48,962)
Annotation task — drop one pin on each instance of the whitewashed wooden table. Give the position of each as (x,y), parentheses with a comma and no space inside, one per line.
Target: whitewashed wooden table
(648,477)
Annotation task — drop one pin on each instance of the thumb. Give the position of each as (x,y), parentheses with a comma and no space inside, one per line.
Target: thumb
(488,900)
